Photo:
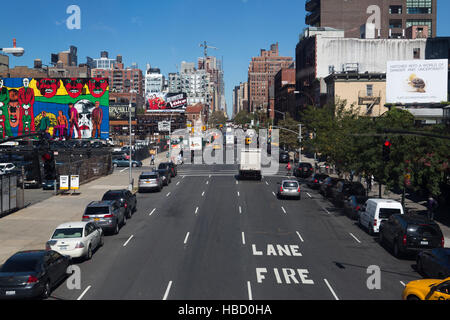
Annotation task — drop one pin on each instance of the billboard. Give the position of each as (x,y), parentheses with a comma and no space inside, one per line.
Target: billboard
(166,102)
(120,111)
(417,81)
(71,108)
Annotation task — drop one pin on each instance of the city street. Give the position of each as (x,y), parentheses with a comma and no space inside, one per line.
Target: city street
(209,236)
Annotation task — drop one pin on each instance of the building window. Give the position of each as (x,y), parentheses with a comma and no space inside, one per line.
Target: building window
(420,22)
(369,89)
(419,6)
(397,23)
(395,9)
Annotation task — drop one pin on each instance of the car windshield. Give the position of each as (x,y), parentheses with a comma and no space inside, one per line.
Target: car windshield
(423,230)
(163,166)
(96,210)
(386,213)
(148,177)
(290,185)
(112,195)
(67,233)
(21,264)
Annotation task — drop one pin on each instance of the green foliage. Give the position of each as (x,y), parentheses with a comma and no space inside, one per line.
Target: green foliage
(242,118)
(217,118)
(342,136)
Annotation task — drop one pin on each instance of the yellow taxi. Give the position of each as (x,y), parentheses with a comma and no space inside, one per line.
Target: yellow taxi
(248,141)
(217,147)
(427,289)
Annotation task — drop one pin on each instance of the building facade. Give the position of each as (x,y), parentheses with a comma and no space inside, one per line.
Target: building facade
(240,98)
(261,73)
(284,94)
(391,17)
(154,81)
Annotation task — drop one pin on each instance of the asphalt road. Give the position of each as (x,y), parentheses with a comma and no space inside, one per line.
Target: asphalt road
(209,236)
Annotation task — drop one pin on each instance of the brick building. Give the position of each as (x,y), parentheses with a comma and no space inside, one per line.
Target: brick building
(395,16)
(284,92)
(261,73)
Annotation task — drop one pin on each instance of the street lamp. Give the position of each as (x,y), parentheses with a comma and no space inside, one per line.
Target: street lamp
(283,113)
(128,85)
(17,52)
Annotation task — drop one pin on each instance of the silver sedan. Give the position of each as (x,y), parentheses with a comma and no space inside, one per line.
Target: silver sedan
(289,189)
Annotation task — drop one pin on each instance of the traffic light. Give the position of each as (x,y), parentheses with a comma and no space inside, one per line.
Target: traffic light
(387,150)
(49,166)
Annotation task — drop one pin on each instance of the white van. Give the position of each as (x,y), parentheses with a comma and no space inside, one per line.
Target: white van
(377,210)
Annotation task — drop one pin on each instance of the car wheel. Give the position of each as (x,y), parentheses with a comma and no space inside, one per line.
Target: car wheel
(129,214)
(89,253)
(413,298)
(419,265)
(380,237)
(124,221)
(102,241)
(371,231)
(134,165)
(47,290)
(397,253)
(116,230)
(115,165)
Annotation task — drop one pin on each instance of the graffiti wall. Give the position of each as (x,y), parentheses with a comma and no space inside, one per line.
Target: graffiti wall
(68,108)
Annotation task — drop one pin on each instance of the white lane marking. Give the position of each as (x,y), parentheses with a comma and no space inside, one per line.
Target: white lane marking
(203,193)
(331,289)
(129,239)
(168,194)
(153,211)
(283,209)
(355,237)
(196,210)
(237,182)
(249,288)
(240,209)
(84,292)
(238,194)
(186,239)
(301,239)
(267,183)
(182,177)
(403,284)
(178,182)
(207,182)
(167,290)
(243,238)
(124,170)
(210,176)
(326,211)
(309,195)
(274,193)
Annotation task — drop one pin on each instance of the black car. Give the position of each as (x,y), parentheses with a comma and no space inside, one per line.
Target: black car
(410,234)
(50,184)
(315,181)
(344,189)
(32,274)
(353,205)
(125,198)
(284,157)
(303,170)
(434,264)
(328,185)
(169,166)
(165,174)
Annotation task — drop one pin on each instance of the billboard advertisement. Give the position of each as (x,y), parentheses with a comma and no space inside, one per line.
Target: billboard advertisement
(70,108)
(166,102)
(417,81)
(120,111)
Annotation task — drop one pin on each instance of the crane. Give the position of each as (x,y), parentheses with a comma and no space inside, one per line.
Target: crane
(205,51)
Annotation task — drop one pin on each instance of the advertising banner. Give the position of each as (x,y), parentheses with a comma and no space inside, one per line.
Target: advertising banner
(417,81)
(195,143)
(74,182)
(120,111)
(73,108)
(64,182)
(166,102)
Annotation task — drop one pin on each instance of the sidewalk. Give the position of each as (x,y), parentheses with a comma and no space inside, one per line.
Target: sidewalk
(31,227)
(412,206)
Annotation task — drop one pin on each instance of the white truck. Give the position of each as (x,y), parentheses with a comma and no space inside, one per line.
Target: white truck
(229,139)
(250,166)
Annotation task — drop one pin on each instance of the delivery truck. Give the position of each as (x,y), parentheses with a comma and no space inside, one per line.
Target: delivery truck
(250,166)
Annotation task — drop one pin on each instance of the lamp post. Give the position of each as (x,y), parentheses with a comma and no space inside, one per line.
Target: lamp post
(131,182)
(15,51)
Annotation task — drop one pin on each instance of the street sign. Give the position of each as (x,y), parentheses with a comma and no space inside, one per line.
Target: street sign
(164,126)
(74,182)
(64,182)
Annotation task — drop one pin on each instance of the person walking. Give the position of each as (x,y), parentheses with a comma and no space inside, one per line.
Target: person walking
(289,168)
(152,163)
(431,205)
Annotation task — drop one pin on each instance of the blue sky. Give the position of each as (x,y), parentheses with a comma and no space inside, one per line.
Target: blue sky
(162,33)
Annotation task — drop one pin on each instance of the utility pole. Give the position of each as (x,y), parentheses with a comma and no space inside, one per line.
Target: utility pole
(300,141)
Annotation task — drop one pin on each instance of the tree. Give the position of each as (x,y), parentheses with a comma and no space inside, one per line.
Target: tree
(288,139)
(242,118)
(217,118)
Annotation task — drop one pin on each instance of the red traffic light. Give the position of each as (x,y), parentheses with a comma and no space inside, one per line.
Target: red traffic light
(387,144)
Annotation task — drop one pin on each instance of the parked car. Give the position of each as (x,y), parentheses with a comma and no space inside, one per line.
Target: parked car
(377,210)
(76,239)
(315,181)
(32,274)
(50,184)
(165,176)
(327,186)
(435,263)
(123,162)
(345,189)
(303,170)
(284,157)
(406,234)
(353,206)
(170,166)
(150,181)
(427,289)
(289,189)
(126,199)
(109,215)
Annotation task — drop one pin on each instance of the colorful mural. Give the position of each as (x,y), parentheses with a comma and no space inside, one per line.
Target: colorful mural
(69,108)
